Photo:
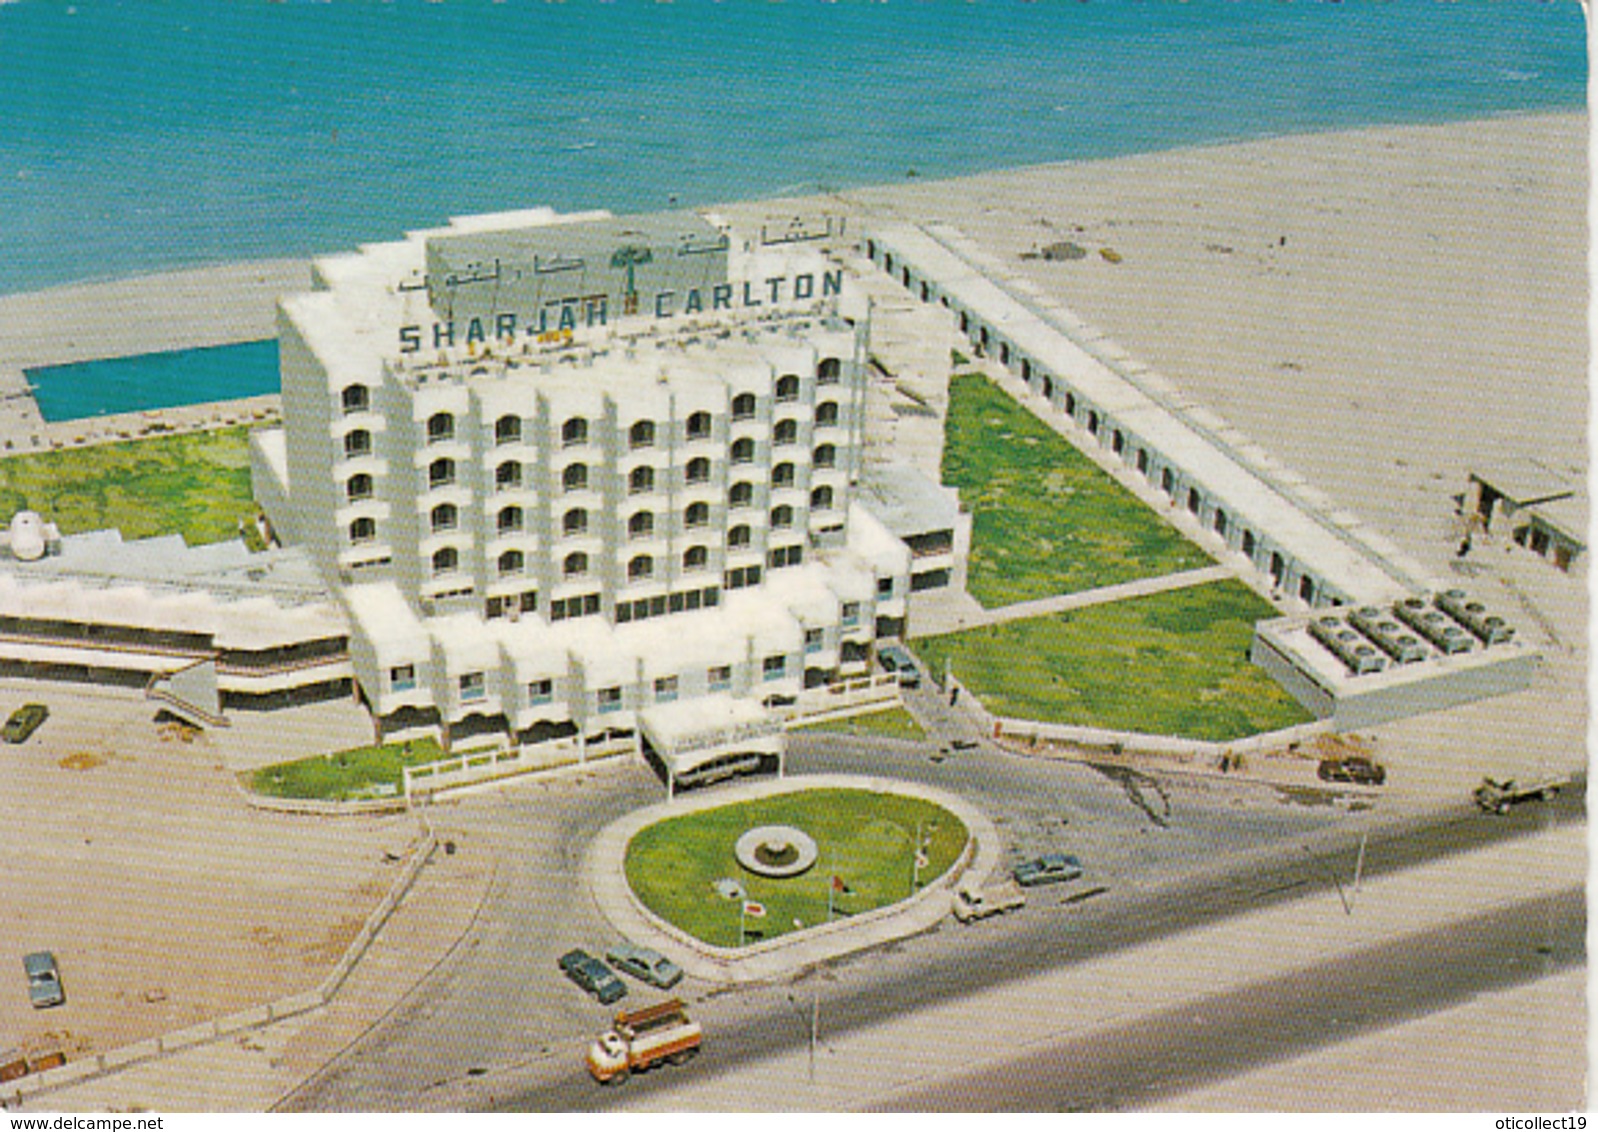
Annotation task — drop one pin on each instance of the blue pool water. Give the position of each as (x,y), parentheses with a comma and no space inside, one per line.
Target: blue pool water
(155,381)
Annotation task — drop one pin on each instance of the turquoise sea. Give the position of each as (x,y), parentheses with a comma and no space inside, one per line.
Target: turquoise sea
(151,134)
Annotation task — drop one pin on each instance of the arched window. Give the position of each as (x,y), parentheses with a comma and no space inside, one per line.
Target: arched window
(699,425)
(511,562)
(445,560)
(440,427)
(363,530)
(575,521)
(641,479)
(782,475)
(738,536)
(697,515)
(743,406)
(828,371)
(576,564)
(786,432)
(821,499)
(741,495)
(642,434)
(445,517)
(826,414)
(440,473)
(508,476)
(695,558)
(743,451)
(641,567)
(357,442)
(787,388)
(359,486)
(508,430)
(575,477)
(510,519)
(781,517)
(641,525)
(574,431)
(357,399)
(826,456)
(698,470)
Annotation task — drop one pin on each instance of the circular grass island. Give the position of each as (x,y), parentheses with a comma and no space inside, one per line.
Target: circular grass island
(864,838)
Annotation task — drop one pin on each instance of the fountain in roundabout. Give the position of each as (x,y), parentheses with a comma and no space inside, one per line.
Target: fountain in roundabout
(776,851)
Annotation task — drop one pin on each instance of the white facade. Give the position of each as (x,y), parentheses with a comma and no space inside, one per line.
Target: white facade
(544,532)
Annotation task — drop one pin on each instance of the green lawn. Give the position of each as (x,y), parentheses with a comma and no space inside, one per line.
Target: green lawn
(1046,520)
(892,723)
(865,838)
(1173,663)
(343,776)
(195,484)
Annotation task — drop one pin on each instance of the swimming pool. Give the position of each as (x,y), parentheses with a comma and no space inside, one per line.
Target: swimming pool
(155,381)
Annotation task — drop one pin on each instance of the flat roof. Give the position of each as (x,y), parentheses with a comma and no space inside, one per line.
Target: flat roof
(906,500)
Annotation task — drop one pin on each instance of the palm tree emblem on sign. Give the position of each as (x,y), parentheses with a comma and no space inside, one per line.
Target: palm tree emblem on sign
(630,257)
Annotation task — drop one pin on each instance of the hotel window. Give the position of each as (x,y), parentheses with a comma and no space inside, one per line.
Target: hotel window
(665,689)
(445,560)
(358,487)
(445,517)
(363,530)
(641,435)
(357,442)
(575,522)
(781,517)
(698,470)
(786,432)
(774,667)
(738,536)
(574,431)
(402,677)
(640,568)
(812,641)
(508,476)
(473,686)
(699,426)
(357,399)
(719,677)
(540,692)
(821,499)
(826,414)
(787,388)
(741,495)
(508,430)
(575,477)
(742,576)
(743,451)
(510,519)
(576,564)
(641,525)
(441,473)
(884,587)
(782,475)
(786,556)
(743,407)
(828,371)
(695,558)
(851,614)
(609,699)
(511,562)
(641,480)
(697,515)
(440,427)
(825,456)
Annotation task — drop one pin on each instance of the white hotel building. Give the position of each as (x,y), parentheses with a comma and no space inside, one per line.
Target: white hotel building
(579,477)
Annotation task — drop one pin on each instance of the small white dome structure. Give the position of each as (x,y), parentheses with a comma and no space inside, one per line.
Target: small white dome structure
(27,536)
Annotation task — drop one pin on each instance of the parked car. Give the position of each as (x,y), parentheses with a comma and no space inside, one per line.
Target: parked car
(24,722)
(897,660)
(1499,797)
(1051,868)
(1355,768)
(645,964)
(44,980)
(592,975)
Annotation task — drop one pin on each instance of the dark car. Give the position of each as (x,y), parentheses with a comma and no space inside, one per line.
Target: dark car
(24,722)
(644,963)
(897,660)
(1051,868)
(1355,768)
(593,976)
(44,980)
